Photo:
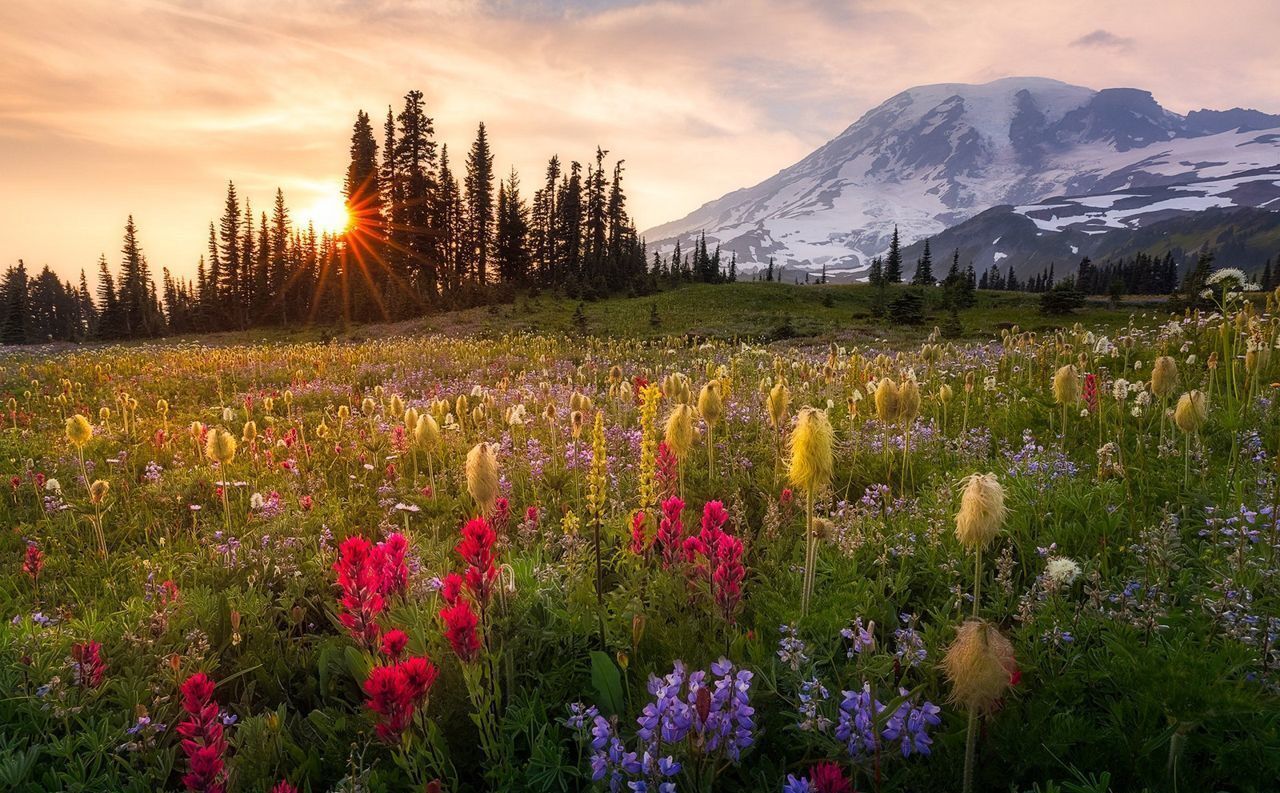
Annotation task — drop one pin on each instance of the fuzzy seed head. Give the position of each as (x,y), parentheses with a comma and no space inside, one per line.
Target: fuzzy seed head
(1164,377)
(1066,385)
(980,665)
(779,405)
(811,453)
(249,432)
(1191,412)
(679,430)
(908,400)
(982,511)
(887,400)
(79,431)
(482,477)
(426,432)
(220,446)
(710,404)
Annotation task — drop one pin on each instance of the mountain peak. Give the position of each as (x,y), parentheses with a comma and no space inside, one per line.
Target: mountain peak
(935,155)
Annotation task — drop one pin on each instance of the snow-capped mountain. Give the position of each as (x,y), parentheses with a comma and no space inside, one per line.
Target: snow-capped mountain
(937,155)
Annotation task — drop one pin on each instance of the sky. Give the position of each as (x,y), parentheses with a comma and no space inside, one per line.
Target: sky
(149,107)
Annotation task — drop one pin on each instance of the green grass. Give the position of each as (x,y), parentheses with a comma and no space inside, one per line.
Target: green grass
(758,311)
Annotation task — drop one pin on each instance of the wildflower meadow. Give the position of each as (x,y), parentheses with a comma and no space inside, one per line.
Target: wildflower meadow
(538,562)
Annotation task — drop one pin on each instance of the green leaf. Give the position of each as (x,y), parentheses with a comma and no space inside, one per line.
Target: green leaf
(607,681)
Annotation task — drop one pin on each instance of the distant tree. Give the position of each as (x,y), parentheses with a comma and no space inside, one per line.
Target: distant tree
(769,271)
(875,275)
(907,309)
(893,264)
(1195,283)
(1064,298)
(1115,291)
(924,268)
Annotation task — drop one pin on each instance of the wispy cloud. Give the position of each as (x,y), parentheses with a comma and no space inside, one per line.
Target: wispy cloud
(115,106)
(1103,39)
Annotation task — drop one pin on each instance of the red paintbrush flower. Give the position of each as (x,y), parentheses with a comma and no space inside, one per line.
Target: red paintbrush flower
(361,581)
(666,471)
(89,665)
(33,562)
(393,643)
(670,529)
(726,581)
(639,541)
(397,690)
(284,787)
(827,777)
(203,741)
(460,629)
(451,588)
(389,557)
(476,549)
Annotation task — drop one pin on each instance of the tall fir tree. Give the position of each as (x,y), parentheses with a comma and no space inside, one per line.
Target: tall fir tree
(893,264)
(480,204)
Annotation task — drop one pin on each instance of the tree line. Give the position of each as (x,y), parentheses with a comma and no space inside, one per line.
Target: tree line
(420,238)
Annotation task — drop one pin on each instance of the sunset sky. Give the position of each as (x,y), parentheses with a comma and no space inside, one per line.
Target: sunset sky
(149,107)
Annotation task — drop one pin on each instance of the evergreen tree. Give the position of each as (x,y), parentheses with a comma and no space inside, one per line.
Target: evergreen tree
(875,275)
(511,238)
(893,264)
(415,170)
(228,253)
(479,198)
(282,277)
(14,303)
(924,268)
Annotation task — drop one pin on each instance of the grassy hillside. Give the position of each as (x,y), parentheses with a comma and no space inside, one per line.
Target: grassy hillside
(759,311)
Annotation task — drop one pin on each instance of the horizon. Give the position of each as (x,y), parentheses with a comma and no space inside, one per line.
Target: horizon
(100,124)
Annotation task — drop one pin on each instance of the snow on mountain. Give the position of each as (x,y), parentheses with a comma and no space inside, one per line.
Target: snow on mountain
(936,155)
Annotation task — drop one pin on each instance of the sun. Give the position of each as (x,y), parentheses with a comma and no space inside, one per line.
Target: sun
(328,213)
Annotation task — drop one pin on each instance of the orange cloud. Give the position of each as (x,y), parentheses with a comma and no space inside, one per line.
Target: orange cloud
(148,107)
